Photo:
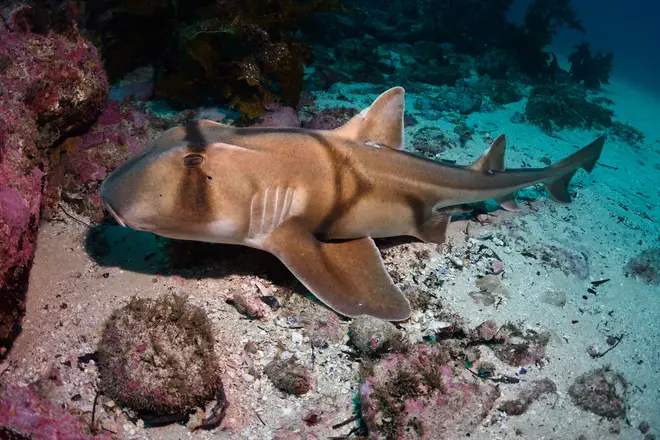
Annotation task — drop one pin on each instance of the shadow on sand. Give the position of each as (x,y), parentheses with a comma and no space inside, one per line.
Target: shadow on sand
(111,245)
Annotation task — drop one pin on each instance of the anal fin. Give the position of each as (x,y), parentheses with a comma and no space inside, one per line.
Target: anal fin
(347,276)
(508,202)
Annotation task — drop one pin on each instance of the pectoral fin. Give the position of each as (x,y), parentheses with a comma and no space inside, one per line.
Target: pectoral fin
(347,276)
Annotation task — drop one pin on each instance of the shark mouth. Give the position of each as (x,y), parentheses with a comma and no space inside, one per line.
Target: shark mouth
(115,215)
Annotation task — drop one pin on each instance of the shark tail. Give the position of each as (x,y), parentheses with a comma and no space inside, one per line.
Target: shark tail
(585,158)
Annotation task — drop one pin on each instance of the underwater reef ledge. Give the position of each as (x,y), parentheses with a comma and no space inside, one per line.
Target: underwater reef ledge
(52,83)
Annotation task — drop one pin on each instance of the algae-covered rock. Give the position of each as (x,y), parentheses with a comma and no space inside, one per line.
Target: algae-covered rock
(556,107)
(25,415)
(601,391)
(51,82)
(156,356)
(645,266)
(289,376)
(373,336)
(423,395)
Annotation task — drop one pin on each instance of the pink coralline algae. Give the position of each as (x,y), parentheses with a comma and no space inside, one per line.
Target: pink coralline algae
(423,395)
(24,414)
(111,114)
(121,131)
(51,82)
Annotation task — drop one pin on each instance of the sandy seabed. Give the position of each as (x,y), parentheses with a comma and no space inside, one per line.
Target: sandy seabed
(613,217)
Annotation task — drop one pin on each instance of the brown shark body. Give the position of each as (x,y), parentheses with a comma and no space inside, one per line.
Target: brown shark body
(315,199)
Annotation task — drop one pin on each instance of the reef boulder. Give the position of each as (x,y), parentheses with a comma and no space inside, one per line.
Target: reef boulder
(51,82)
(24,414)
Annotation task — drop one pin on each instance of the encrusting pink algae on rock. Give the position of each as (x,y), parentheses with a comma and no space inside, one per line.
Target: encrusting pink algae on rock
(51,82)
(25,415)
(423,395)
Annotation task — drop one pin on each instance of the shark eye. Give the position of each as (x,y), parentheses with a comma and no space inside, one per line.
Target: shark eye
(193,160)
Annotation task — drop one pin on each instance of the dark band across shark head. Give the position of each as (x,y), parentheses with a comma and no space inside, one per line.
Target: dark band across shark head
(317,198)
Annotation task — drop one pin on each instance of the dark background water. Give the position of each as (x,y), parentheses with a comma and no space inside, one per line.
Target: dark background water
(628,28)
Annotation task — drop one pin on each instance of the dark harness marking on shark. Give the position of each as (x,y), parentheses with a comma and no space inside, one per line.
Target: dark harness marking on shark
(280,189)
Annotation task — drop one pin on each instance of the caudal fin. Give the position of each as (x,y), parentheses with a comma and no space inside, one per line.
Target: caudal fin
(585,158)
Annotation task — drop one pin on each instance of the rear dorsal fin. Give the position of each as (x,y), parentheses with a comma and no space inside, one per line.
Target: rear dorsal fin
(493,157)
(379,125)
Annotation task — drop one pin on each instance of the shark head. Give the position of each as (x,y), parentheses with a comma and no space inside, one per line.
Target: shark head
(171,188)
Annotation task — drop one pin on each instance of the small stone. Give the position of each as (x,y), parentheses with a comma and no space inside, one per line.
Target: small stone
(456,261)
(296,337)
(485,331)
(450,406)
(251,347)
(645,266)
(483,218)
(644,427)
(289,376)
(497,267)
(593,351)
(148,350)
(436,326)
(372,336)
(250,306)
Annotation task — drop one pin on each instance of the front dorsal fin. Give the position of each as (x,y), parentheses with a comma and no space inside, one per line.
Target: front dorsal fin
(493,157)
(381,124)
